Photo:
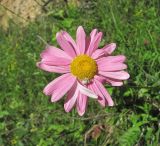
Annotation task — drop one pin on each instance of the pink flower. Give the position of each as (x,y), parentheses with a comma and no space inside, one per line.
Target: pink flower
(84,67)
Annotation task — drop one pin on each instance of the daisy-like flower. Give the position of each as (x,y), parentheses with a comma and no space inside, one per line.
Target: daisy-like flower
(85,69)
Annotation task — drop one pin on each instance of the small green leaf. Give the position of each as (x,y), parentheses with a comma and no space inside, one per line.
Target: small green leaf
(3,113)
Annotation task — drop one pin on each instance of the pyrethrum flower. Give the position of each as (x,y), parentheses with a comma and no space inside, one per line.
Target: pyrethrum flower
(84,68)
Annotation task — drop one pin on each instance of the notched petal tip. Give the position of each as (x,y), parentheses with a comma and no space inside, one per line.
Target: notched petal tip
(127,75)
(102,102)
(81,113)
(125,66)
(109,48)
(58,34)
(63,33)
(100,34)
(121,58)
(45,51)
(67,111)
(45,92)
(117,84)
(67,108)
(53,100)
(38,64)
(80,27)
(124,58)
(111,104)
(93,33)
(113,45)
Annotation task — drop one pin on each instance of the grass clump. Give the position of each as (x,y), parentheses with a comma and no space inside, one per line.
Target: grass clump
(26,115)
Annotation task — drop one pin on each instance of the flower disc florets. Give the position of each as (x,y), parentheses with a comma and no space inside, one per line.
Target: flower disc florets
(83,67)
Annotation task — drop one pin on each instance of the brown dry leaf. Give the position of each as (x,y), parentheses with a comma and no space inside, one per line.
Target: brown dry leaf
(96,132)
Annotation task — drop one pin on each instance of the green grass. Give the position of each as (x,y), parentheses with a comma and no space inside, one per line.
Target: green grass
(28,118)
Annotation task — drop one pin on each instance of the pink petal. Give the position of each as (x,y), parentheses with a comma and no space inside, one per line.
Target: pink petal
(105,66)
(71,98)
(101,99)
(86,91)
(65,45)
(54,60)
(120,75)
(93,33)
(56,69)
(52,52)
(88,40)
(58,87)
(81,36)
(94,43)
(70,40)
(97,41)
(105,51)
(103,93)
(100,78)
(113,82)
(57,61)
(81,104)
(112,59)
(98,53)
(109,48)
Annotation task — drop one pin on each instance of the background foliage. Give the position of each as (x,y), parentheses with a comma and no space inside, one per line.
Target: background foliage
(27,118)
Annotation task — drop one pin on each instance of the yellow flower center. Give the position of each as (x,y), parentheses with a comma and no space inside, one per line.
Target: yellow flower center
(83,67)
